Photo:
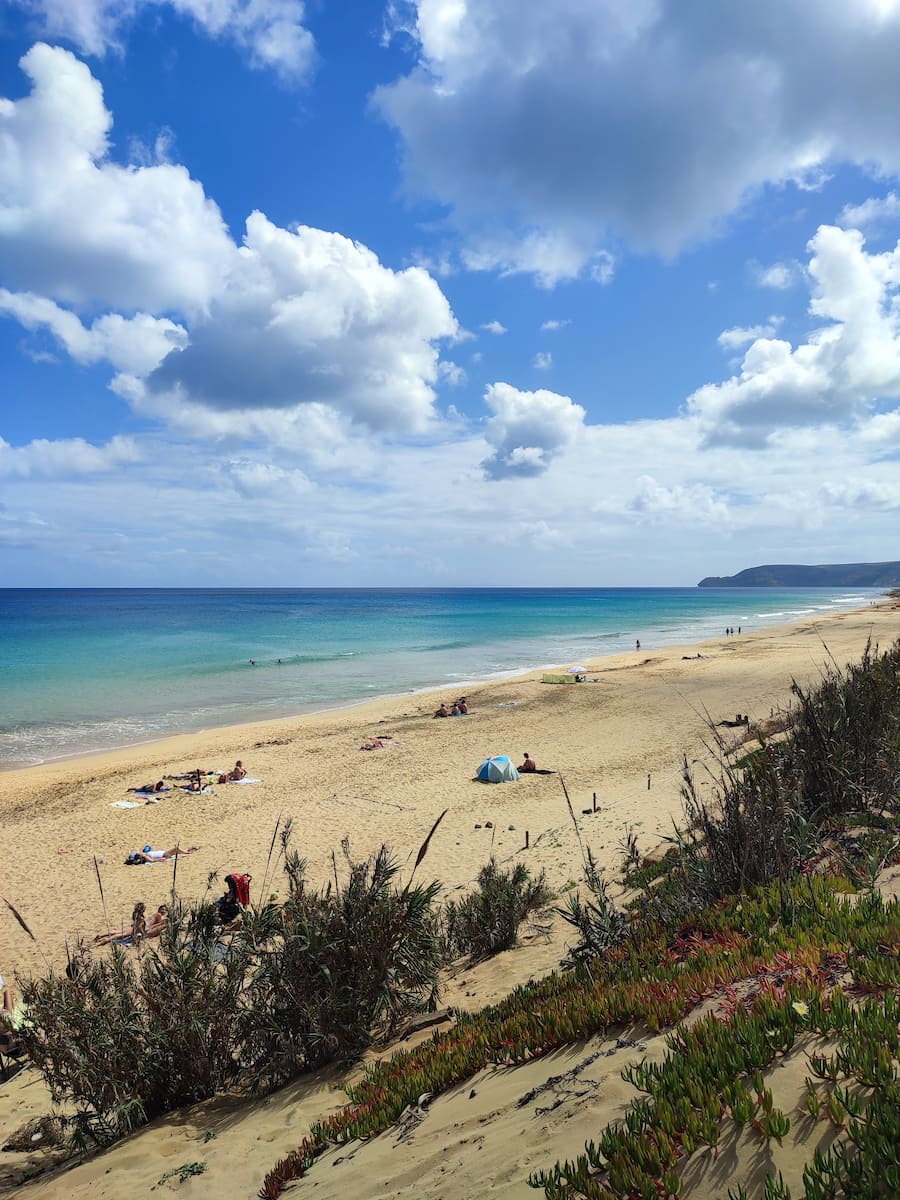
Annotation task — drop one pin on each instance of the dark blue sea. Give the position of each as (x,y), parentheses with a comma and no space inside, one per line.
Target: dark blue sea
(95,669)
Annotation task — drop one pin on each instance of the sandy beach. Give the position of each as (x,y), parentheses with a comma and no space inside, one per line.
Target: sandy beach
(645,711)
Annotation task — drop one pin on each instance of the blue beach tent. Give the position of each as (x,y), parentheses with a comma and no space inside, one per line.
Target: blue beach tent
(498,769)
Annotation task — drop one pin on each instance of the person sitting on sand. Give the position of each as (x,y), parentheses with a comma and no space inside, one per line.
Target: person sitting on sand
(529,765)
(148,854)
(157,922)
(443,711)
(463,705)
(238,771)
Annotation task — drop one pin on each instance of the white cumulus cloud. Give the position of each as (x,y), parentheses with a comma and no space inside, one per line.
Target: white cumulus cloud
(543,360)
(851,360)
(271,332)
(313,317)
(494,327)
(84,230)
(731,339)
(528,429)
(136,344)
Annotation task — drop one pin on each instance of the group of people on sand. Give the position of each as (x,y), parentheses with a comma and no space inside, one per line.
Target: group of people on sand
(139,929)
(458,708)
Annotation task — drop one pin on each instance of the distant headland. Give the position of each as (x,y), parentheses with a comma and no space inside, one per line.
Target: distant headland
(883,574)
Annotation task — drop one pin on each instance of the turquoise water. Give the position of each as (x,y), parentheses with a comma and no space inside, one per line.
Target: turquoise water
(94,669)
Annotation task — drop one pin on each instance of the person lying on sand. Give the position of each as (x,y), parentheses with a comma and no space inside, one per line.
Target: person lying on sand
(148,854)
(528,765)
(237,772)
(159,786)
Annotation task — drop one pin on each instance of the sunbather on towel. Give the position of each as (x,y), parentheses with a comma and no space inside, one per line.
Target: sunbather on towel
(148,854)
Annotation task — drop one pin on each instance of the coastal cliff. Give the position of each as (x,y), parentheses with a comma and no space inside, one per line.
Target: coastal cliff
(883,574)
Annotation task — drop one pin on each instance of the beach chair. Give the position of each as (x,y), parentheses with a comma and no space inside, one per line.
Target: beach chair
(12,1061)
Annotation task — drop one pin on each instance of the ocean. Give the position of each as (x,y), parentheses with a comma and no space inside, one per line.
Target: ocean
(97,669)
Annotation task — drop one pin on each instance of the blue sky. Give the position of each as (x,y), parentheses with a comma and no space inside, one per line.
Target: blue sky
(446,292)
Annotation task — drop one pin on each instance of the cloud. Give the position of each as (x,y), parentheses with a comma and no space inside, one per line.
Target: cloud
(271,32)
(779,276)
(136,344)
(289,320)
(731,339)
(67,458)
(862,494)
(144,238)
(696,504)
(543,360)
(553,325)
(528,429)
(494,327)
(848,363)
(253,479)
(452,373)
(312,317)
(562,125)
(871,212)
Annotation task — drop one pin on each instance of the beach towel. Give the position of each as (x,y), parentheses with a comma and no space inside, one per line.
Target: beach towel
(246,779)
(125,804)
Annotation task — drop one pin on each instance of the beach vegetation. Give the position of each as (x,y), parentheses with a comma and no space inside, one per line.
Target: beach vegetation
(337,967)
(488,919)
(599,923)
(295,985)
(132,1037)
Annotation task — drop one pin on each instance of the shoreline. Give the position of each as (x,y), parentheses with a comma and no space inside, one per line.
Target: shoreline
(497,677)
(622,739)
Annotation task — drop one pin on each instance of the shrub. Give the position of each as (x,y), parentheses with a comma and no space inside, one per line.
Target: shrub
(130,1038)
(487,920)
(600,924)
(763,821)
(340,965)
